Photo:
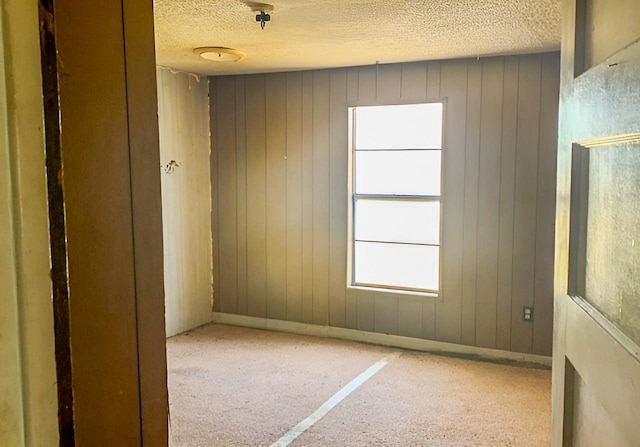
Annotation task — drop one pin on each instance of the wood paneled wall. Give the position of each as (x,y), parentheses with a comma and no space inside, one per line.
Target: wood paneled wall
(183,112)
(279,176)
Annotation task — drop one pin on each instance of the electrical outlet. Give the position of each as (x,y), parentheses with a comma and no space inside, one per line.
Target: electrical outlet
(527,314)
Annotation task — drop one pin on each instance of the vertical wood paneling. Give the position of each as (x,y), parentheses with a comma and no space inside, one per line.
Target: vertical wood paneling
(196,215)
(351,309)
(184,155)
(414,81)
(471,179)
(389,83)
(227,196)
(338,161)
(321,197)
(367,84)
(545,208)
(416,317)
(196,151)
(276,185)
(352,85)
(191,161)
(489,202)
(241,194)
(524,238)
(433,80)
(294,196)
(167,121)
(256,197)
(204,195)
(365,310)
(215,233)
(386,313)
(429,319)
(410,317)
(183,113)
(449,309)
(307,194)
(507,194)
(494,253)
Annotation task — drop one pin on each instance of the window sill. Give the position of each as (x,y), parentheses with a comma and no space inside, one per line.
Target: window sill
(409,293)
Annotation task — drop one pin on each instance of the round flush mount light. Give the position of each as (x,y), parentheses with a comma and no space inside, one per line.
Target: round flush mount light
(220,54)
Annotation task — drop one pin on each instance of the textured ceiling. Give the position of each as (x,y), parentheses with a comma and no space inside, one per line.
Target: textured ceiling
(305,34)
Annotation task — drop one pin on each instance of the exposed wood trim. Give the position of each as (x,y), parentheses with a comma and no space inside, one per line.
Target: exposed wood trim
(396,341)
(57,225)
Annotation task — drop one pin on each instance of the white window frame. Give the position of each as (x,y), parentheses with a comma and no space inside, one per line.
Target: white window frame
(352,197)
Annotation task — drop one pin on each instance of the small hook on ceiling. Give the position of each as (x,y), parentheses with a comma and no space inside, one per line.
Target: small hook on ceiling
(263,9)
(263,18)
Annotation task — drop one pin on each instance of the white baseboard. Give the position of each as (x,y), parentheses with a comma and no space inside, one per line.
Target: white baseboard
(397,341)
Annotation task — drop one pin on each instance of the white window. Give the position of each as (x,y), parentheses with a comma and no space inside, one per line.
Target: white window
(396,160)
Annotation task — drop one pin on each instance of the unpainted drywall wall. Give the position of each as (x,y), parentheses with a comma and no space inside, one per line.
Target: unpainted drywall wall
(28,401)
(183,111)
(279,176)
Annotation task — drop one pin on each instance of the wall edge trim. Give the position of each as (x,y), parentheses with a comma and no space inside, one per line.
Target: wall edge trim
(396,341)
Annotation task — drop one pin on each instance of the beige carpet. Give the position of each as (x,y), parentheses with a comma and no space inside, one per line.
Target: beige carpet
(232,386)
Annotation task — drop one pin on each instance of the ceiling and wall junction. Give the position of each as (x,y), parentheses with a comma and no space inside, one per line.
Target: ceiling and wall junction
(306,34)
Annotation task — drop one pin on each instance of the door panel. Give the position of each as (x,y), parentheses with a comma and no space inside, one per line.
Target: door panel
(608,30)
(592,424)
(606,374)
(613,227)
(596,376)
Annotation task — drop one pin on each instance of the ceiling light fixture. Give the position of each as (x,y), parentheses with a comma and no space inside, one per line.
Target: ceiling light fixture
(220,54)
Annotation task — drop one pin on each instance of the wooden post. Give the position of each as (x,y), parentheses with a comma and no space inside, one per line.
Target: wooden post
(110,170)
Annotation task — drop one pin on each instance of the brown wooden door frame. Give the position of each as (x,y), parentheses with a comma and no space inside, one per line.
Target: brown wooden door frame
(106,223)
